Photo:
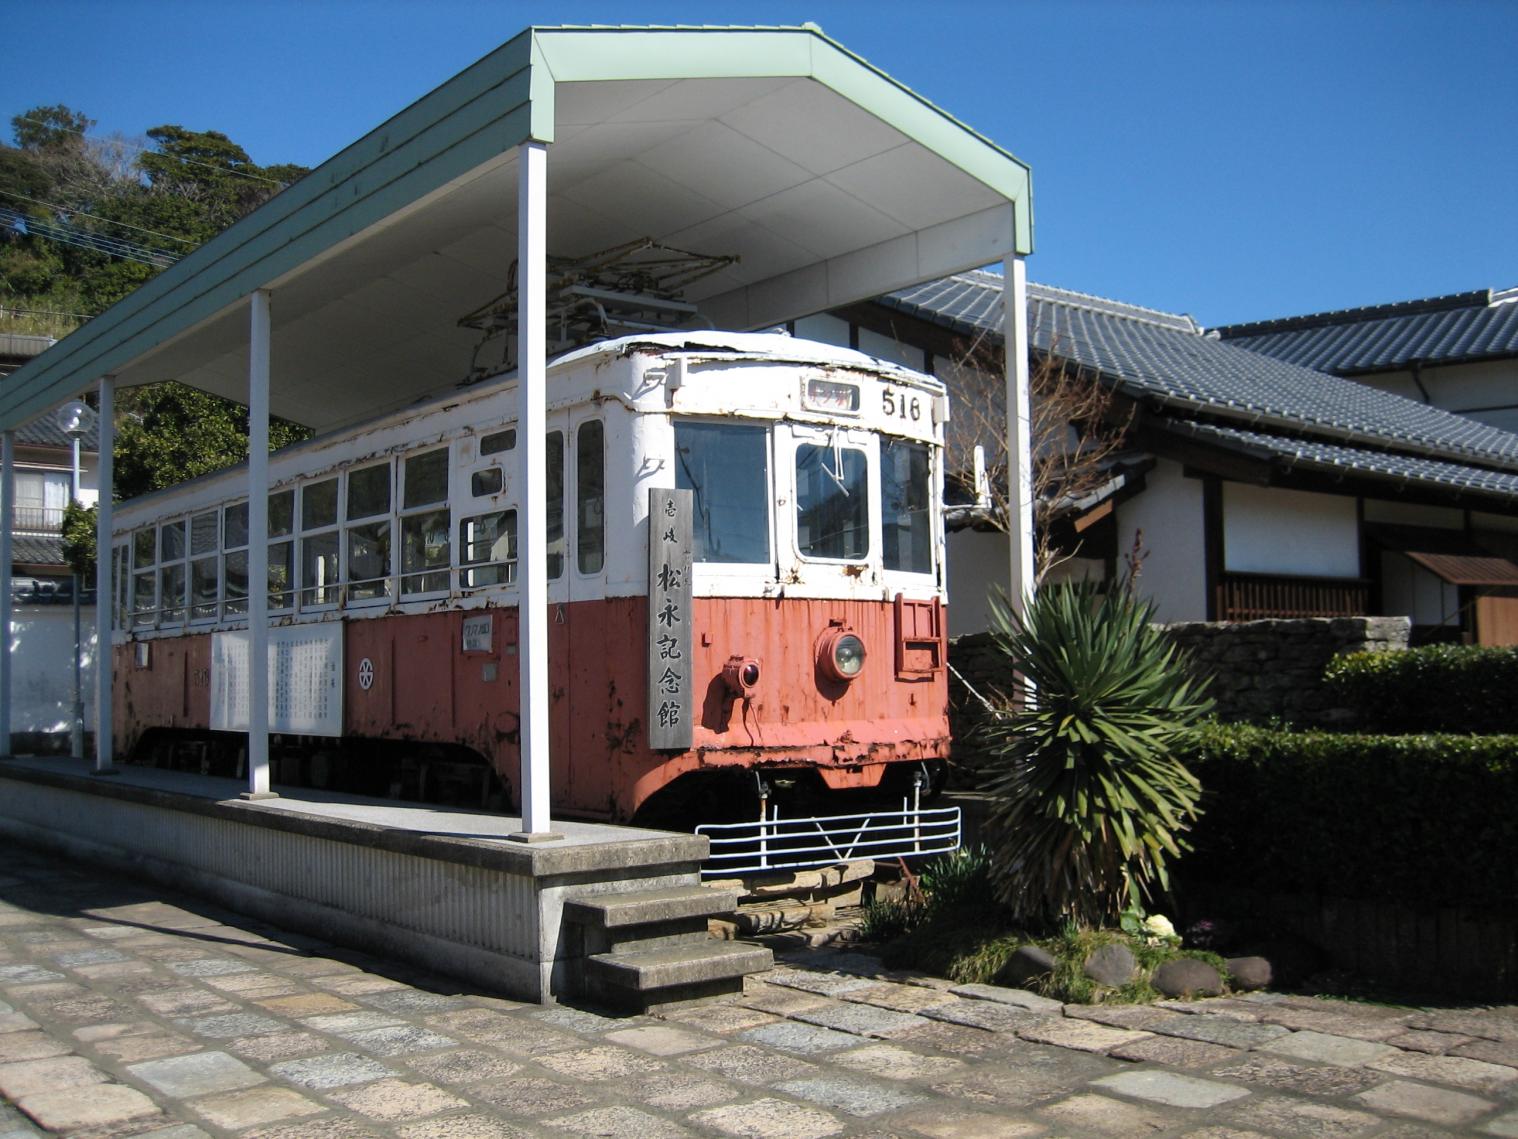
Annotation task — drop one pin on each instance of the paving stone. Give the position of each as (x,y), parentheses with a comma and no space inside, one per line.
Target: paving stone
(592,1065)
(489,1027)
(226,1027)
(1219,1030)
(306,1004)
(751,1065)
(176,1131)
(254,1107)
(77,1010)
(852,1096)
(620,1121)
(769,1119)
(895,1063)
(782,1001)
(1475,1075)
(1334,1023)
(1102,1115)
(899,998)
(955,1039)
(411,1000)
(1314,1081)
(185,1002)
(1503,1125)
(823,984)
(1171,1088)
(210,967)
(1174,1051)
(939,1122)
(106,1106)
(330,1127)
(399,1040)
(1119,1016)
(530,1096)
(152,1045)
(1492,1051)
(29,1046)
(1418,1101)
(26,974)
(278,1046)
(863,1020)
(463,1127)
(1011,1087)
(15,1022)
(680,1091)
(1082,1035)
(394,1099)
(1001,994)
(27,1077)
(1286,1115)
(577,1020)
(989,1016)
(334,1070)
(343,1023)
(1434,1043)
(1484,1025)
(464,1067)
(721,1019)
(1324,1049)
(74,958)
(356,986)
(200,1073)
(663,1040)
(803,1038)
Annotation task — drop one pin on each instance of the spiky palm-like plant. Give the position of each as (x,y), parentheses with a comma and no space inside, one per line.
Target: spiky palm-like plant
(1089,800)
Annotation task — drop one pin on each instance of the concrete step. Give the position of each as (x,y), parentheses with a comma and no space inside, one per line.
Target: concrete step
(655,979)
(651,907)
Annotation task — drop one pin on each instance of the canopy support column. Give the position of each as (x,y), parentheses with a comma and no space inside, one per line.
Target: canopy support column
(258,546)
(1020,505)
(8,514)
(532,562)
(106,596)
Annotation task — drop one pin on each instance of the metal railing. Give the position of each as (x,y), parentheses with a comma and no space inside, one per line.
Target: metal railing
(773,843)
(38,519)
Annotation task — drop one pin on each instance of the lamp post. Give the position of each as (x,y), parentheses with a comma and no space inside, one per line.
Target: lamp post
(74,420)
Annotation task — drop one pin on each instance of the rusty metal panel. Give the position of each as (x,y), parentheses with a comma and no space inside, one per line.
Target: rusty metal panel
(670,700)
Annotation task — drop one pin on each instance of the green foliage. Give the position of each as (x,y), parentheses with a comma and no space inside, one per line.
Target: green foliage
(79,539)
(955,892)
(1425,820)
(49,128)
(1437,688)
(1090,800)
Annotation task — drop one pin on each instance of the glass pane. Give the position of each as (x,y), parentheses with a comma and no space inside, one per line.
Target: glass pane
(369,561)
(171,590)
(205,534)
(488,548)
(171,541)
(424,546)
(318,569)
(499,441)
(142,548)
(554,464)
(144,599)
(281,575)
(905,523)
(235,526)
(204,580)
(727,468)
(318,504)
(369,491)
(427,478)
(831,516)
(281,513)
(237,583)
(485,482)
(590,492)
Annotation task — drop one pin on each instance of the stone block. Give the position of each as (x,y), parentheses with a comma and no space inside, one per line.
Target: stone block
(1325,1049)
(1187,977)
(107,1105)
(1171,1089)
(1432,1105)
(1026,963)
(1112,965)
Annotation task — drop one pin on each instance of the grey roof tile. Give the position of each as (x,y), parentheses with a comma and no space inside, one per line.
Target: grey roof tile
(42,551)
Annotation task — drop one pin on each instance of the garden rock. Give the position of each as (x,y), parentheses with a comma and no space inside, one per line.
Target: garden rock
(1249,973)
(1187,977)
(1028,963)
(1112,965)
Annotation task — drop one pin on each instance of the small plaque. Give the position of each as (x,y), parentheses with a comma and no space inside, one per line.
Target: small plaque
(670,697)
(479,633)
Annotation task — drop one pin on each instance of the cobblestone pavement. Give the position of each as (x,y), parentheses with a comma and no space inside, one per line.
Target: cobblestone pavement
(127,1011)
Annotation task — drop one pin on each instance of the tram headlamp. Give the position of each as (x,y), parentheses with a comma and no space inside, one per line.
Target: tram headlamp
(842,655)
(741,675)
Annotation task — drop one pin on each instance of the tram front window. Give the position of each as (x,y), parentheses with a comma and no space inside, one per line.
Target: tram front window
(832,503)
(726,466)
(906,524)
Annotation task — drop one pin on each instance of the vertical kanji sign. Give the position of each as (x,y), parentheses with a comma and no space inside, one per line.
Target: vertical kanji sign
(670,701)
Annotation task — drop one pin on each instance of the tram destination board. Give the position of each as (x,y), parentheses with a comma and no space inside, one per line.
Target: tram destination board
(670,703)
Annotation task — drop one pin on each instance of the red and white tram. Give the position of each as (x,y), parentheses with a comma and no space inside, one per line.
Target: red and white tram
(816,618)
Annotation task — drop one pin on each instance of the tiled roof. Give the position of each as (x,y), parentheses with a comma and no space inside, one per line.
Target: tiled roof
(47,551)
(45,432)
(1481,325)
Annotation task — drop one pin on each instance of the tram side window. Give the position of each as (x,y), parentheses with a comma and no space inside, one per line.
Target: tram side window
(205,565)
(171,576)
(234,529)
(726,467)
(144,581)
(368,532)
(318,543)
(554,464)
(832,515)
(488,550)
(281,550)
(424,523)
(590,497)
(906,523)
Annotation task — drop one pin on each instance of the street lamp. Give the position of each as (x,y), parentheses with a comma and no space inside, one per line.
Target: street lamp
(74,420)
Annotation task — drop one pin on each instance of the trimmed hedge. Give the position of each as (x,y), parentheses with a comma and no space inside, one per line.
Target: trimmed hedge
(1422,820)
(1437,688)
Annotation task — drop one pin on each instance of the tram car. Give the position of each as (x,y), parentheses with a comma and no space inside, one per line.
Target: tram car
(810,481)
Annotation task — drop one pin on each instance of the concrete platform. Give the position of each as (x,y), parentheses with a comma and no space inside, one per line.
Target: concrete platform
(439,887)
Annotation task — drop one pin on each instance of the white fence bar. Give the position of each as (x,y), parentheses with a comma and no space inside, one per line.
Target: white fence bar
(773,843)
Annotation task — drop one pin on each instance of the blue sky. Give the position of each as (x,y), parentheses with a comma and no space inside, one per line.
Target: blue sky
(1234,160)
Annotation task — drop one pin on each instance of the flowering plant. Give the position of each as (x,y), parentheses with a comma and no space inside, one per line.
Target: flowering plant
(1158,930)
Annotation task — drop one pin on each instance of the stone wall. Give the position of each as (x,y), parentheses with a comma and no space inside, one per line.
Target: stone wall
(1260,670)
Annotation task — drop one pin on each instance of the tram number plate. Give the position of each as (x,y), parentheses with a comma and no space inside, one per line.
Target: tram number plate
(898,404)
(478,633)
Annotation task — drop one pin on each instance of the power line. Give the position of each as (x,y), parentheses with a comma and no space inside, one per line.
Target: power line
(150,150)
(97,217)
(85,239)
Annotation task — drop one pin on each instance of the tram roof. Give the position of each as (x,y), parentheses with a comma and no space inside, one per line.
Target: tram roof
(830,181)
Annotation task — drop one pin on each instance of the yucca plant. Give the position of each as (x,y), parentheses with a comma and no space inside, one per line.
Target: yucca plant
(1089,799)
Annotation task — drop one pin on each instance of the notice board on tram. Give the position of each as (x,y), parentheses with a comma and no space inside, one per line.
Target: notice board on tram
(305,680)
